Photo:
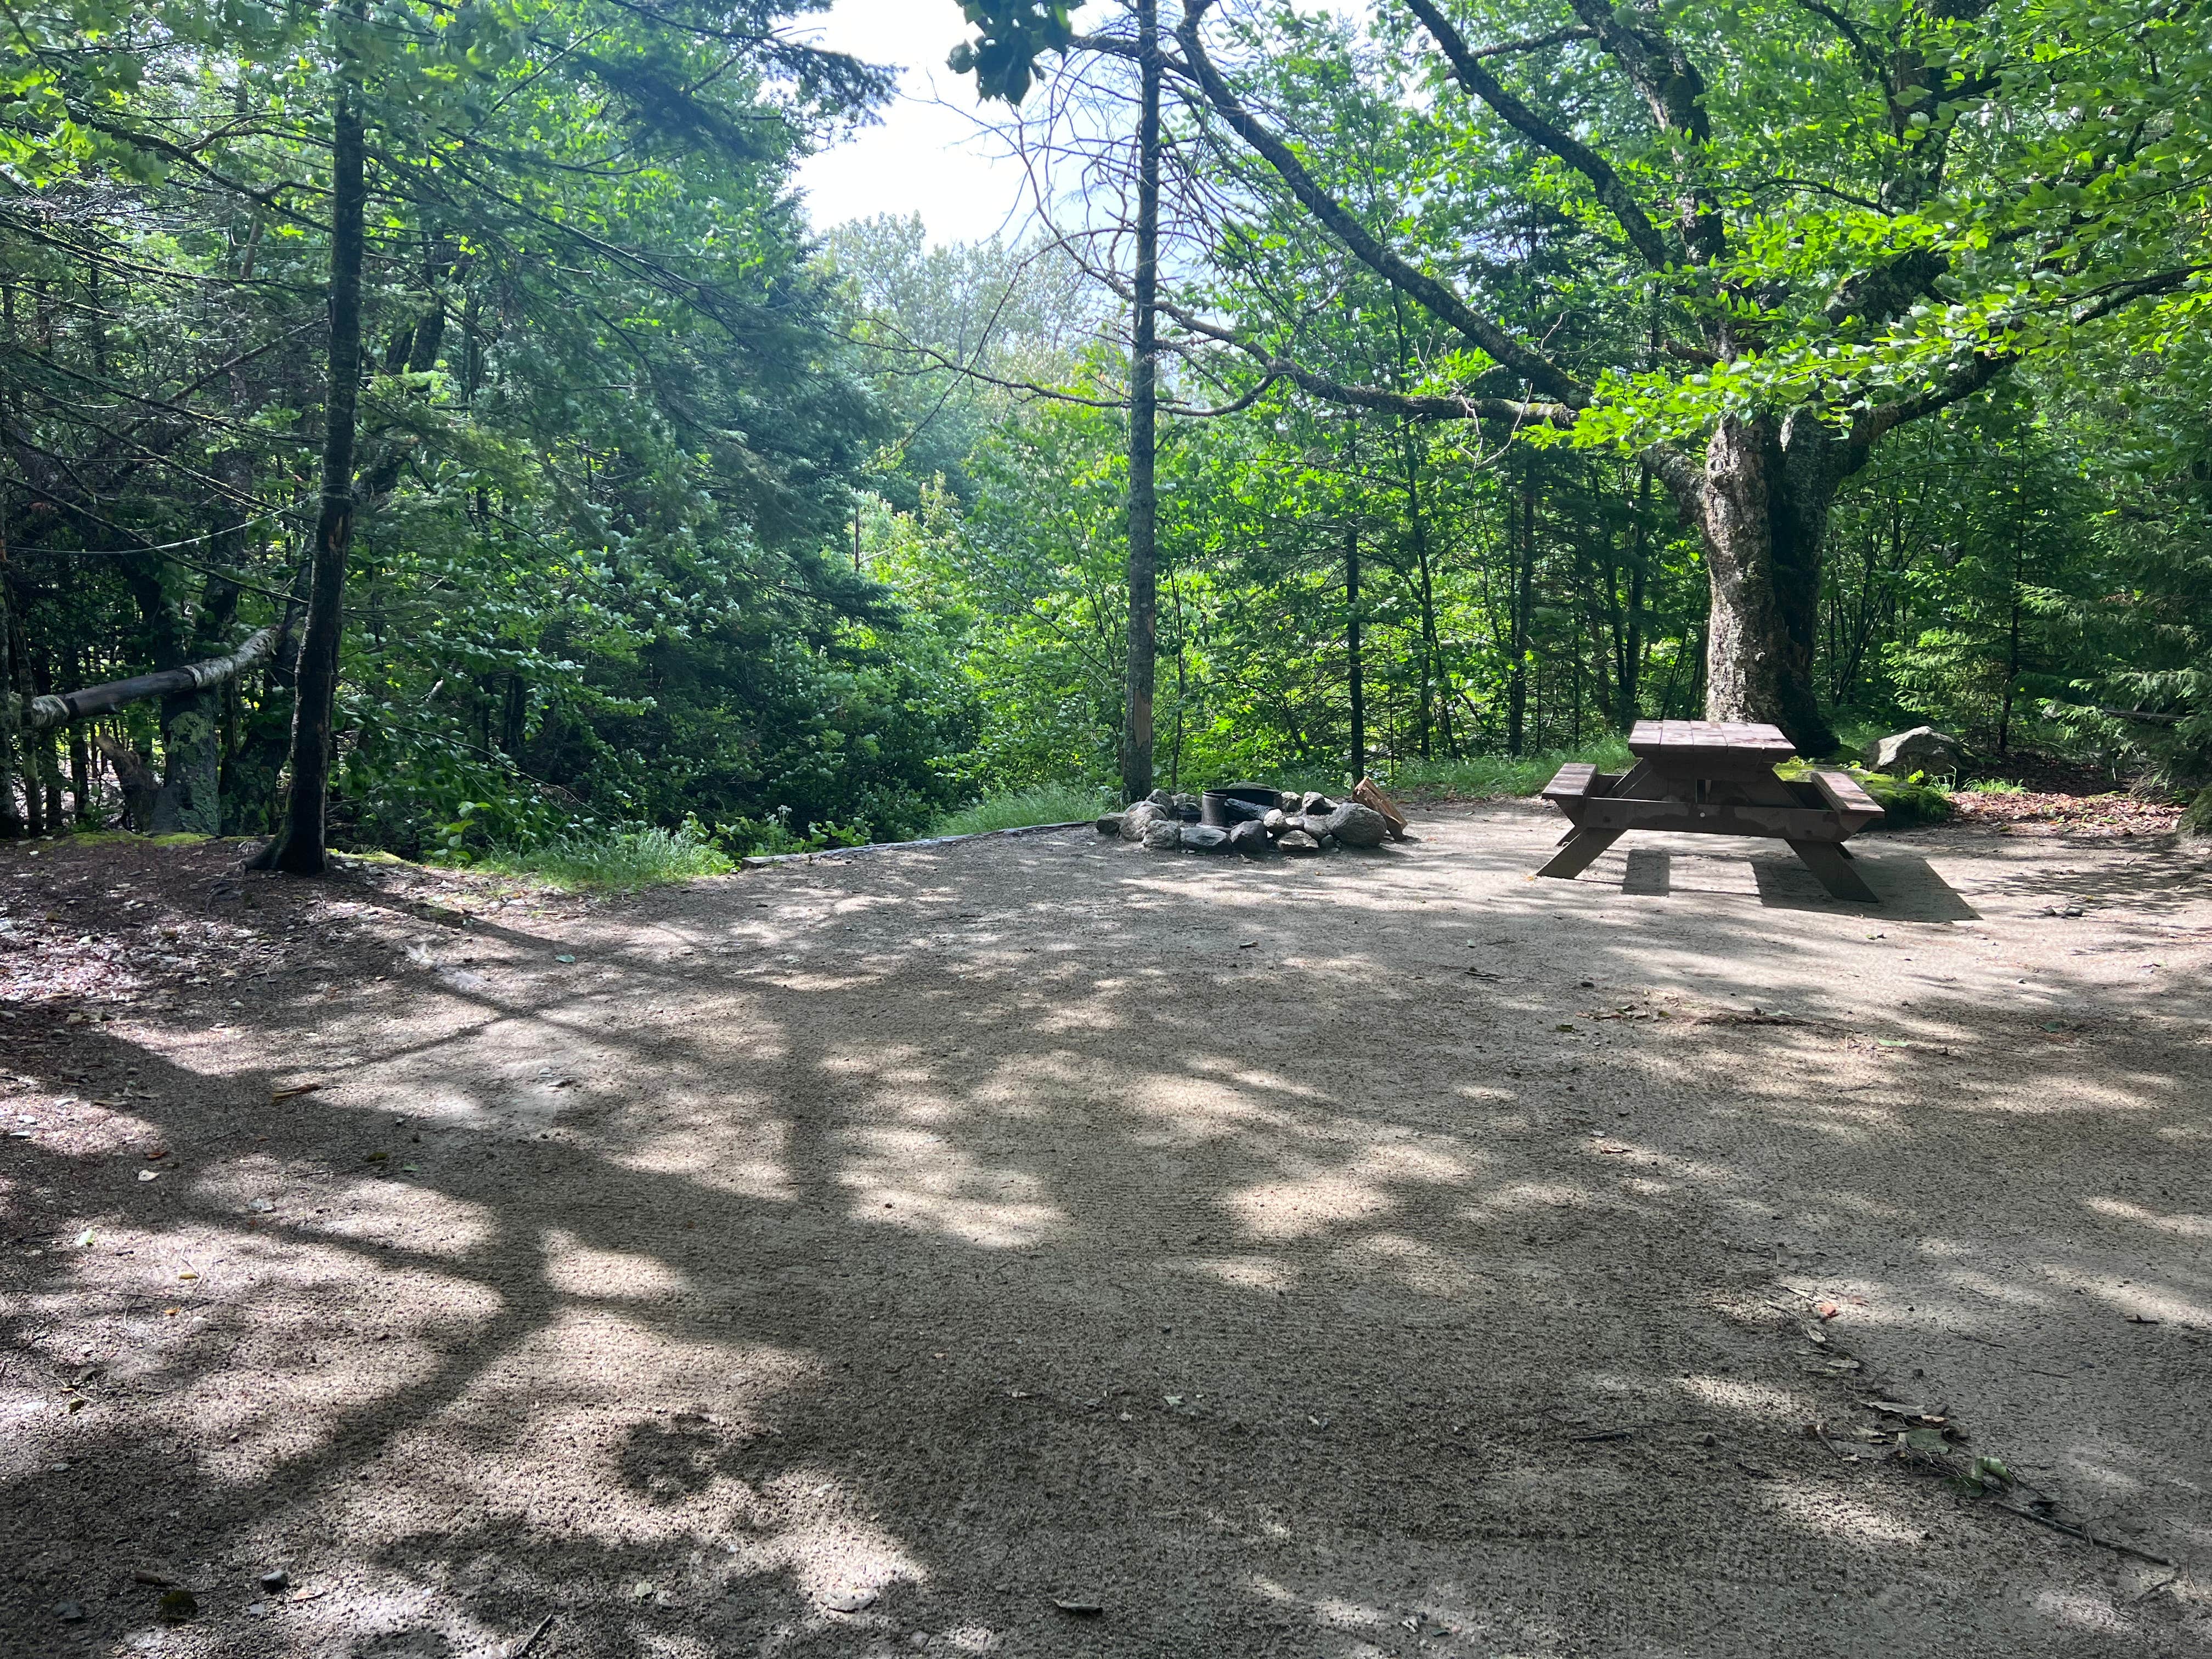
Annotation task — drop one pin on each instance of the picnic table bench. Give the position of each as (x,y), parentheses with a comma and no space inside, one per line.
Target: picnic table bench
(1714,778)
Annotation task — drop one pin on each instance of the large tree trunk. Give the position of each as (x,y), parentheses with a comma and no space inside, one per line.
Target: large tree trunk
(192,750)
(301,847)
(1764,515)
(1144,390)
(11,818)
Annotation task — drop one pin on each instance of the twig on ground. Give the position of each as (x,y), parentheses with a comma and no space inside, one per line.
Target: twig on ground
(2084,1534)
(529,1641)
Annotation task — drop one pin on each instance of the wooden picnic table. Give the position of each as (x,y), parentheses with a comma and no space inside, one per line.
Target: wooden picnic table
(1714,778)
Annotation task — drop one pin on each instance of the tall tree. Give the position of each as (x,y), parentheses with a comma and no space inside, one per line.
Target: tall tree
(1820,277)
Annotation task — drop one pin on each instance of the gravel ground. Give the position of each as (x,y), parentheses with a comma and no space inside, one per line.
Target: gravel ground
(1376,1254)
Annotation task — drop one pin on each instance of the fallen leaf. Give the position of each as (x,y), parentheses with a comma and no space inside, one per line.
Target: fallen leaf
(295,1091)
(852,1600)
(564,958)
(1078,1608)
(1826,1310)
(149,1174)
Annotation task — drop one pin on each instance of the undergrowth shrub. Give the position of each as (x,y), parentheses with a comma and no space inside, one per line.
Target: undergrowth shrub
(1044,803)
(613,860)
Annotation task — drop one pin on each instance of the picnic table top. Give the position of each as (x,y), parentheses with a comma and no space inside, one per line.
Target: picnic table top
(1691,740)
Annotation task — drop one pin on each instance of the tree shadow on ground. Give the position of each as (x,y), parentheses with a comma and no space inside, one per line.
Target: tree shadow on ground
(931,1238)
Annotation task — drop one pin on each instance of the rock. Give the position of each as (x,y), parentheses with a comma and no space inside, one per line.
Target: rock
(1276,822)
(1315,824)
(1134,821)
(1203,838)
(1924,749)
(1358,826)
(1235,811)
(1186,804)
(1297,842)
(69,1612)
(1325,841)
(1110,824)
(276,1581)
(1251,839)
(1163,834)
(1161,798)
(1315,803)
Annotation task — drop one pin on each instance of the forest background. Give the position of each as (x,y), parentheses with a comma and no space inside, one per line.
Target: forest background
(669,516)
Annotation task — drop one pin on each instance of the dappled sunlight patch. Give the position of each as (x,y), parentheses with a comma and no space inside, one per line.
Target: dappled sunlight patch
(599,1425)
(2136,1300)
(1242,1272)
(1421,1267)
(1760,1401)
(741,1151)
(422,1221)
(578,1269)
(824,1539)
(2180,1226)
(921,1181)
(2083,1611)
(1828,1513)
(1521,1198)
(1987,1287)
(1301,1207)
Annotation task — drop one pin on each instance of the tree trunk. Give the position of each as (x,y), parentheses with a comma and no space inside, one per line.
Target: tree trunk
(1522,601)
(1144,389)
(192,750)
(11,819)
(1354,667)
(1764,516)
(1628,679)
(301,847)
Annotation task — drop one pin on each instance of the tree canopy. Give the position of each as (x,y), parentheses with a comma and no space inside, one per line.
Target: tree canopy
(1522,370)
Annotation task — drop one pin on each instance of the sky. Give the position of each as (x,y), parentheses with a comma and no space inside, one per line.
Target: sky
(927,156)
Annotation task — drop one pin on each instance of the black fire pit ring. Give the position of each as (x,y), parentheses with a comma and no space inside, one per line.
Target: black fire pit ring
(1214,806)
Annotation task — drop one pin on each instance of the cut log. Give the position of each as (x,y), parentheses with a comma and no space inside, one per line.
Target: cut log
(1370,795)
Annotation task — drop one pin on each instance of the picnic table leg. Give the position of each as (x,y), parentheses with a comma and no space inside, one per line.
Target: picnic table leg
(1826,860)
(1582,851)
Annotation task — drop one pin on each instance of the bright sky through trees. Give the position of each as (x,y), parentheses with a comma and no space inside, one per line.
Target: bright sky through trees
(928,155)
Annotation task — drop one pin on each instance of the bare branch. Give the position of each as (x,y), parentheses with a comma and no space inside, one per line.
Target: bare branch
(1531,366)
(1611,191)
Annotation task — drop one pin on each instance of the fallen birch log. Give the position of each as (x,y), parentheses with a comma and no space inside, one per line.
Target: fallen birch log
(43,712)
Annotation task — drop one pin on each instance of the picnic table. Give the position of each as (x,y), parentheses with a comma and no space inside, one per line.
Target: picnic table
(1714,778)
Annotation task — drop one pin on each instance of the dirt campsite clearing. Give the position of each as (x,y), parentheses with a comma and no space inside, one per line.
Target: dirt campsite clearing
(1031,1246)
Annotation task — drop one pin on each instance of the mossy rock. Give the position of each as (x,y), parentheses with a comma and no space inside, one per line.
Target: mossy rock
(1905,801)
(2197,822)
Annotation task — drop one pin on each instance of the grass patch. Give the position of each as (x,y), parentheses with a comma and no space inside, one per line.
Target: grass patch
(1486,777)
(614,860)
(1995,786)
(1045,803)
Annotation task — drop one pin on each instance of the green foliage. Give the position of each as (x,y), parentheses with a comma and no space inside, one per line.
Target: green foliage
(1043,803)
(1489,777)
(612,860)
(1010,33)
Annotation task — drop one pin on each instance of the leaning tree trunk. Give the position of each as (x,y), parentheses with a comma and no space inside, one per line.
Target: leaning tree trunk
(1764,517)
(302,845)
